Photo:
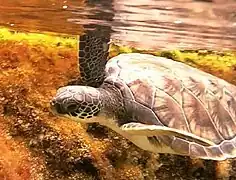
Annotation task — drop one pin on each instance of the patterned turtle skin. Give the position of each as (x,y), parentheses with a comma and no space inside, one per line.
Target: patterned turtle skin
(160,105)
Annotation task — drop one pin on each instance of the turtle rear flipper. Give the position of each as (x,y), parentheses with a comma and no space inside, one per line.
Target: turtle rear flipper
(154,130)
(183,142)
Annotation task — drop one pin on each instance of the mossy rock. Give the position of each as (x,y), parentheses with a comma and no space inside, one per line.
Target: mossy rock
(39,145)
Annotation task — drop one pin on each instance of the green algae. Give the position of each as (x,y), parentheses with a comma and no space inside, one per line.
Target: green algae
(215,59)
(37,38)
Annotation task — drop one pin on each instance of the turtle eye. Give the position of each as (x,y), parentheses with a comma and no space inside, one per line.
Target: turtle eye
(71,107)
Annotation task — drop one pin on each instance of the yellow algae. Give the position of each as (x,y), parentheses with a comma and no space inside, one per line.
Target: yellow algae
(38,38)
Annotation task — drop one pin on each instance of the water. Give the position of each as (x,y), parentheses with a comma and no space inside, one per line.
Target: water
(146,24)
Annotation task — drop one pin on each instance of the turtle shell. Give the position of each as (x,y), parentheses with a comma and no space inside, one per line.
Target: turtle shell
(181,97)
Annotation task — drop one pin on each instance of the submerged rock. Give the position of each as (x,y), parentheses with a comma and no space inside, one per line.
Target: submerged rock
(35,145)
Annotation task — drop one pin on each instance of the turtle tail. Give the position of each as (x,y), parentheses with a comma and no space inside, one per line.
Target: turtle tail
(93,56)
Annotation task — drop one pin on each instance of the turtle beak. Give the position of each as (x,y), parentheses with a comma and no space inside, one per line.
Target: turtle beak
(53,106)
(56,107)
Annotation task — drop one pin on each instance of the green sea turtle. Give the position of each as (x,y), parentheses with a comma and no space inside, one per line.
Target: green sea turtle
(160,105)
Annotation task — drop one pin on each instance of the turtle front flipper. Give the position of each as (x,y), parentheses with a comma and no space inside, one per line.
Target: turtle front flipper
(155,130)
(93,56)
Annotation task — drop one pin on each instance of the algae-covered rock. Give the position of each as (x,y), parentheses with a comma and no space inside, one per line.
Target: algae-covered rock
(36,145)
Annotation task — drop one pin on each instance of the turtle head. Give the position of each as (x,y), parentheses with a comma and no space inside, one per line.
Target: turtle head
(80,103)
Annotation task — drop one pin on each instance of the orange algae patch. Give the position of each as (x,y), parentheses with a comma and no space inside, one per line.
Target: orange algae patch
(29,77)
(16,162)
(130,172)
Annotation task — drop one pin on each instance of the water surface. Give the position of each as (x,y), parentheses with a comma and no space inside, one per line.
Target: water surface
(148,24)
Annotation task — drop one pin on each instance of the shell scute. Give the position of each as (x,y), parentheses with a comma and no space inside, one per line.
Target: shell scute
(227,147)
(197,150)
(169,111)
(222,119)
(181,145)
(139,89)
(210,94)
(198,118)
(215,151)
